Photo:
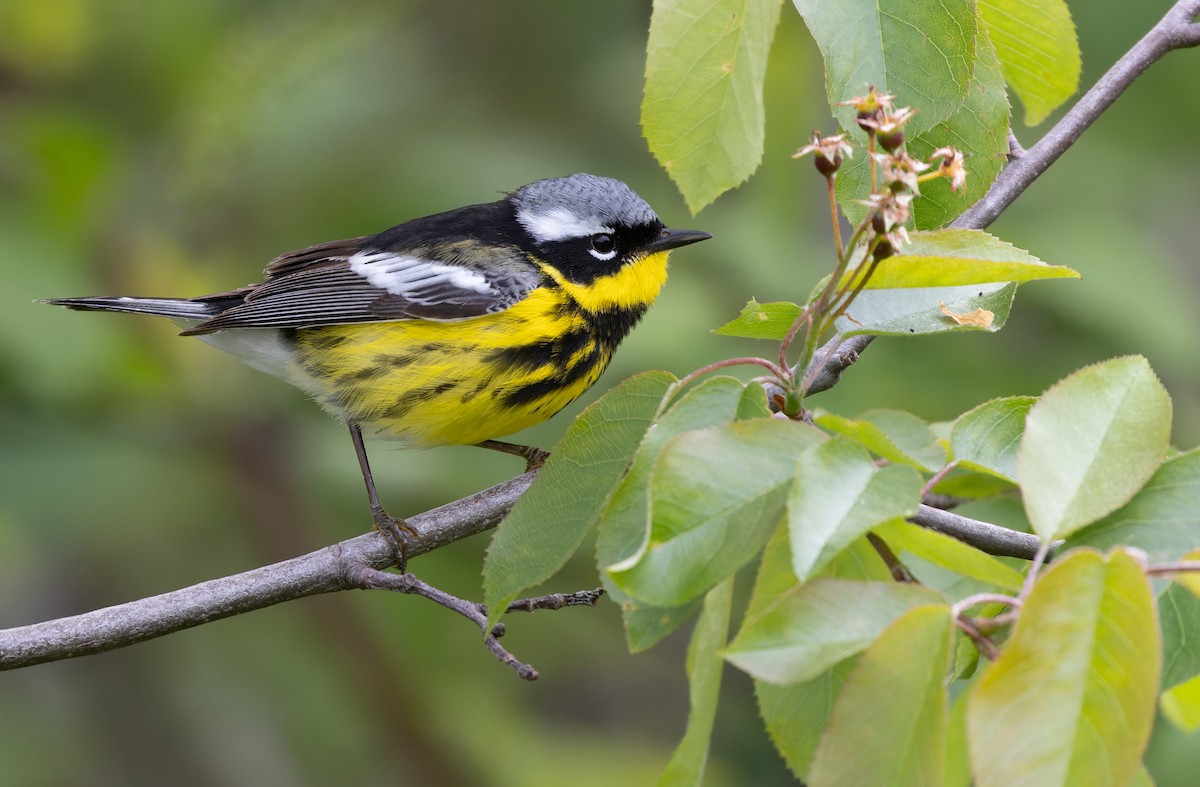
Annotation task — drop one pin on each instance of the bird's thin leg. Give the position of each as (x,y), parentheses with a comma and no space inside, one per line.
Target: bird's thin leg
(534,457)
(398,532)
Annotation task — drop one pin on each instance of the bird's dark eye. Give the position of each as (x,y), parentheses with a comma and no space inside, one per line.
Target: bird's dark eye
(603,245)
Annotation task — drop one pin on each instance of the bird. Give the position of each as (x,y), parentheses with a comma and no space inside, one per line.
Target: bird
(456,328)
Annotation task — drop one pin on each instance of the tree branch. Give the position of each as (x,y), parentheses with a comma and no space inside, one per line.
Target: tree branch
(833,358)
(1175,31)
(993,539)
(324,571)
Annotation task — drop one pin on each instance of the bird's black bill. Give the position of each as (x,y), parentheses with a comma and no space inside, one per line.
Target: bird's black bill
(673,239)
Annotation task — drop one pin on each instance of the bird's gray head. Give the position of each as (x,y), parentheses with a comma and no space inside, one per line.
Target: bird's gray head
(579,206)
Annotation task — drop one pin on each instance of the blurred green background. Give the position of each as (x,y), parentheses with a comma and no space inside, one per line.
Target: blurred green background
(173,148)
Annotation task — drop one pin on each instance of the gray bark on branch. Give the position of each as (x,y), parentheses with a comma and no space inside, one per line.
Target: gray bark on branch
(324,571)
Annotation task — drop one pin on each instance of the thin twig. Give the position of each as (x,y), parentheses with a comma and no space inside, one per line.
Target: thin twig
(899,571)
(984,598)
(1035,566)
(779,373)
(1015,151)
(986,647)
(937,477)
(580,598)
(367,578)
(1177,567)
(831,188)
(993,539)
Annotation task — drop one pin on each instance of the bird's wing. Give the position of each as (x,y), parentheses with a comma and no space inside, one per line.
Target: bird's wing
(349,282)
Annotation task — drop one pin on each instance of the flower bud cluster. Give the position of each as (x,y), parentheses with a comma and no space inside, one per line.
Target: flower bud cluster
(895,177)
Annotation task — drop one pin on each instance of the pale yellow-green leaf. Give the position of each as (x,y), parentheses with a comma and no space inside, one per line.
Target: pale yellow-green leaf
(1071,698)
(1181,705)
(1190,579)
(950,553)
(704,667)
(905,271)
(888,724)
(702,111)
(1091,442)
(1038,50)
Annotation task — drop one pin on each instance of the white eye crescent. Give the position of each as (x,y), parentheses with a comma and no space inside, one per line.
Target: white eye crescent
(603,247)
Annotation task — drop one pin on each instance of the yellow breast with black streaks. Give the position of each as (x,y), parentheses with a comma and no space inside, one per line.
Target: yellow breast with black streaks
(428,383)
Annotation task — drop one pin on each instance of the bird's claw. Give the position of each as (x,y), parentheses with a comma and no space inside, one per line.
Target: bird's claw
(402,536)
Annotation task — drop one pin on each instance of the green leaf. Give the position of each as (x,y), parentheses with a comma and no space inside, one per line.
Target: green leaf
(1190,579)
(892,434)
(1039,53)
(702,112)
(775,575)
(716,496)
(923,53)
(957,771)
(753,403)
(1071,698)
(625,522)
(909,270)
(704,666)
(979,129)
(549,522)
(1162,519)
(951,258)
(919,310)
(1091,442)
(838,495)
(969,484)
(950,553)
(1179,620)
(1181,705)
(987,437)
(888,724)
(811,627)
(796,714)
(762,320)
(859,561)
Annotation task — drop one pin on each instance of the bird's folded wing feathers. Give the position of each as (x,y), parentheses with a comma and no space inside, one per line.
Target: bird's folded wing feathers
(343,282)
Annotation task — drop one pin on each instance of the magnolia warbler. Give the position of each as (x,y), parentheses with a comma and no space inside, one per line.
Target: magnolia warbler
(451,329)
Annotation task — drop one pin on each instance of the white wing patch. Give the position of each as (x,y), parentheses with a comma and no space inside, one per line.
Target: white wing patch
(559,224)
(410,277)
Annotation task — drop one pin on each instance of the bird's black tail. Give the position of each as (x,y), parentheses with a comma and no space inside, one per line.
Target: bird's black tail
(175,308)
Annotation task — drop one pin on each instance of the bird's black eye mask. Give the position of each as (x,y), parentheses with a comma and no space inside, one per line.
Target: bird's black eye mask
(583,260)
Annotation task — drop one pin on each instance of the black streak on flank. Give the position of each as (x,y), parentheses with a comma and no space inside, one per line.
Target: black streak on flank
(319,340)
(557,352)
(531,392)
(381,366)
(411,399)
(478,389)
